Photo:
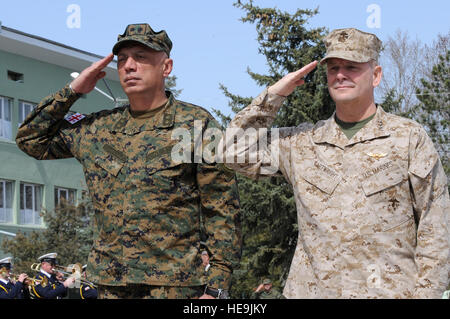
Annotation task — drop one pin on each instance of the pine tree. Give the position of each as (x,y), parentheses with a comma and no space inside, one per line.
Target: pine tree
(171,85)
(268,207)
(433,111)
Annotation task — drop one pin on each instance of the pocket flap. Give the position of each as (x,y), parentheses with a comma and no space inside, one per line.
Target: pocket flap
(382,177)
(321,176)
(161,159)
(108,163)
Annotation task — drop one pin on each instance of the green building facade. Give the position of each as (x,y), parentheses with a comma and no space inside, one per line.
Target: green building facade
(30,69)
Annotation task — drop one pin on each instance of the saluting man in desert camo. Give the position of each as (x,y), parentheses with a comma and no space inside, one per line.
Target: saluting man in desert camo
(370,190)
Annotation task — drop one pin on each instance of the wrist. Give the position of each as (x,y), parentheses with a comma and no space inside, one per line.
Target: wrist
(216,293)
(74,90)
(272,91)
(71,88)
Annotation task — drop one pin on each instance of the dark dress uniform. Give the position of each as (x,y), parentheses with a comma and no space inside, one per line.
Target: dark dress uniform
(88,291)
(49,288)
(11,291)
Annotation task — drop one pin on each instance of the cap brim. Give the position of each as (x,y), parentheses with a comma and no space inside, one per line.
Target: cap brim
(119,44)
(348,57)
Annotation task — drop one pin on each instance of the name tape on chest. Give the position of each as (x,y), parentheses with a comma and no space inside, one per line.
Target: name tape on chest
(72,119)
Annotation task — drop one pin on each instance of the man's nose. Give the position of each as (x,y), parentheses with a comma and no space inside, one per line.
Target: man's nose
(340,75)
(130,64)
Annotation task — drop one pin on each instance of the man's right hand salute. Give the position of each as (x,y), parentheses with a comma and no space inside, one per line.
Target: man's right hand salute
(287,84)
(87,79)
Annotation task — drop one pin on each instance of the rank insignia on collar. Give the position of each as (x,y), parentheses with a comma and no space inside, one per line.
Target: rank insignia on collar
(377,155)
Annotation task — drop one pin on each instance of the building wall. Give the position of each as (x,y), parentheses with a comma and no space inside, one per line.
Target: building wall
(39,80)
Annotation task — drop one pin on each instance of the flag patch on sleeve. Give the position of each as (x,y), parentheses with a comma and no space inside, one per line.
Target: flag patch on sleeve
(73,118)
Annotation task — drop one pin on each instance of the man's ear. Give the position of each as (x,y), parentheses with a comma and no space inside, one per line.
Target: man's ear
(167,67)
(377,75)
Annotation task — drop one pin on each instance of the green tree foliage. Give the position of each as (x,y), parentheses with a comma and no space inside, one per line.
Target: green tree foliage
(268,207)
(171,84)
(67,233)
(433,111)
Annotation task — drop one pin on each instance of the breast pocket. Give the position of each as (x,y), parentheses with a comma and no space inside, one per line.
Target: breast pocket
(387,195)
(164,174)
(319,175)
(382,177)
(108,163)
(101,172)
(166,179)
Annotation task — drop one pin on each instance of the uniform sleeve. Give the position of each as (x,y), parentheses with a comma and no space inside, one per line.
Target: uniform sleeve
(250,148)
(431,207)
(4,294)
(88,292)
(220,212)
(39,135)
(50,291)
(16,292)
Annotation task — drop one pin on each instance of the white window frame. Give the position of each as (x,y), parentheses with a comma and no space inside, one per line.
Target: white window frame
(68,191)
(6,213)
(30,215)
(5,123)
(23,113)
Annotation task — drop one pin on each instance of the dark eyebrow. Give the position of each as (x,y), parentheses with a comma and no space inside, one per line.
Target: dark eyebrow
(135,52)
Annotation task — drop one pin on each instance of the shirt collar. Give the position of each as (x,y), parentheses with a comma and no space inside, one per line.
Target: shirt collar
(329,131)
(164,119)
(46,273)
(4,281)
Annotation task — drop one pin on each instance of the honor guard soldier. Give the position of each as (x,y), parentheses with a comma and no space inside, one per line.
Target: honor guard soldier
(87,290)
(51,285)
(8,289)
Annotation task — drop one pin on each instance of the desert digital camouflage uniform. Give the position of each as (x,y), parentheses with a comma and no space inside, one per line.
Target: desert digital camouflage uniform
(147,206)
(372,211)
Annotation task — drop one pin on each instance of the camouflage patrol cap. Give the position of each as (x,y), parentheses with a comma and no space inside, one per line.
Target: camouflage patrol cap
(352,44)
(144,34)
(267,281)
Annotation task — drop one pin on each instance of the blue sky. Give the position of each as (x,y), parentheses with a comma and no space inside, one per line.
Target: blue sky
(211,44)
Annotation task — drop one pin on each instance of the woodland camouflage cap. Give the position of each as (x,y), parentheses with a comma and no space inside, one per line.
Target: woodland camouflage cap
(267,281)
(353,45)
(144,34)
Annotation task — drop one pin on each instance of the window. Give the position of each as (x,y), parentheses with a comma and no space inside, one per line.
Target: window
(25,108)
(5,118)
(64,194)
(6,200)
(30,204)
(14,76)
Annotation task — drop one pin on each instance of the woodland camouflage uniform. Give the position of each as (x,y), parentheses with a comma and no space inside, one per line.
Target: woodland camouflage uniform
(149,209)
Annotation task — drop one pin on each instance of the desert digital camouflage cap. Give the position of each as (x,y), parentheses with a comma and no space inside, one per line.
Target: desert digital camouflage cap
(144,34)
(352,44)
